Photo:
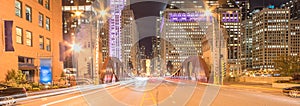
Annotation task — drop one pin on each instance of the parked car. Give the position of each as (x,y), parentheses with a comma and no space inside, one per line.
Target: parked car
(292,91)
(9,93)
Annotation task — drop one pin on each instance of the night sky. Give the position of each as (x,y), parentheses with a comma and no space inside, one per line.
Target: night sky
(146,12)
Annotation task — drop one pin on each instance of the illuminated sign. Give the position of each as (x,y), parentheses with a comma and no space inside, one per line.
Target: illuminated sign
(45,71)
(230,17)
(188,17)
(271,6)
(115,28)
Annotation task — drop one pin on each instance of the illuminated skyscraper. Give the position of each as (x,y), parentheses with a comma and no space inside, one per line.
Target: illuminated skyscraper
(294,6)
(182,26)
(295,37)
(230,20)
(115,46)
(129,36)
(271,37)
(246,45)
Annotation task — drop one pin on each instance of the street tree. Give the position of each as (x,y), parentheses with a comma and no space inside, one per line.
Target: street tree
(14,76)
(288,66)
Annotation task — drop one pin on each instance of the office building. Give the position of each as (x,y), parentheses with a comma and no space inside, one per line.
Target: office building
(271,37)
(83,24)
(129,36)
(294,7)
(115,44)
(295,37)
(246,45)
(31,34)
(230,20)
(182,34)
(104,36)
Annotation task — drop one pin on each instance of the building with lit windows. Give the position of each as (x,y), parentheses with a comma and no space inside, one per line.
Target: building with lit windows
(115,44)
(246,45)
(182,34)
(104,35)
(271,37)
(180,31)
(295,37)
(75,12)
(294,7)
(84,25)
(129,36)
(230,20)
(31,34)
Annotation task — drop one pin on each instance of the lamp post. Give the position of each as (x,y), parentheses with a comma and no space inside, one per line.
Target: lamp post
(95,12)
(217,44)
(99,13)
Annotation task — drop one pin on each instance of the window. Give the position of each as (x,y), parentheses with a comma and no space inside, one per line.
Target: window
(41,40)
(28,38)
(47,4)
(41,20)
(48,23)
(40,2)
(28,13)
(48,44)
(18,8)
(19,35)
(25,60)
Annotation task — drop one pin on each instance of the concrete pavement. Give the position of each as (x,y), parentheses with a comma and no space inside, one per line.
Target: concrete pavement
(171,94)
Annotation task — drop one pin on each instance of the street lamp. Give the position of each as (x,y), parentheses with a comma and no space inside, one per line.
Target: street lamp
(217,79)
(95,13)
(78,13)
(99,14)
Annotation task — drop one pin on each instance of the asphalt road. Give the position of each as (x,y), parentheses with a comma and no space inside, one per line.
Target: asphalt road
(165,93)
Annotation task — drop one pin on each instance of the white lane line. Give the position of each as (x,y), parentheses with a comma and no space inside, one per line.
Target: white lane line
(67,92)
(55,102)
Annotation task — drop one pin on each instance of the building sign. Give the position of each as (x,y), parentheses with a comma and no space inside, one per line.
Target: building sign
(230,17)
(189,17)
(45,71)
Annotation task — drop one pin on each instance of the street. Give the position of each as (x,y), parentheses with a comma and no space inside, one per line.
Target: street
(167,93)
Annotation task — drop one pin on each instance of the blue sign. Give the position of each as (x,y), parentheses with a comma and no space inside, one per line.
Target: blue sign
(271,6)
(45,71)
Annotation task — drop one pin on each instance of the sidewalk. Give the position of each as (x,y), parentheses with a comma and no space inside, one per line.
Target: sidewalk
(254,86)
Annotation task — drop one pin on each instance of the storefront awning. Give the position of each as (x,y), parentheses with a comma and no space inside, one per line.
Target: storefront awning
(23,66)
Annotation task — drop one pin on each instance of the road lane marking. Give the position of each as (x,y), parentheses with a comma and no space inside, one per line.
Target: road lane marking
(55,102)
(148,98)
(44,99)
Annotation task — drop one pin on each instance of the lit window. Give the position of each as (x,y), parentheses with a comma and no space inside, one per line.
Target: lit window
(40,2)
(18,8)
(48,44)
(41,40)
(41,20)
(19,35)
(47,4)
(28,13)
(28,38)
(48,23)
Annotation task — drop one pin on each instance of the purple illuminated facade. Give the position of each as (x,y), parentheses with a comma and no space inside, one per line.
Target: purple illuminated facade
(182,32)
(230,17)
(115,28)
(188,17)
